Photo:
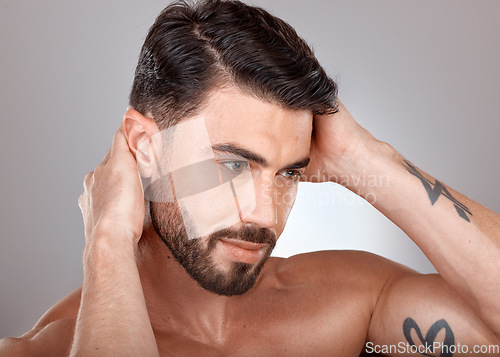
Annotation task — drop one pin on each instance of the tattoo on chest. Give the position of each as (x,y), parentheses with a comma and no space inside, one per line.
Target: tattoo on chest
(427,345)
(436,189)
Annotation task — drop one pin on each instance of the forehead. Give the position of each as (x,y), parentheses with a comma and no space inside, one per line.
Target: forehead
(233,116)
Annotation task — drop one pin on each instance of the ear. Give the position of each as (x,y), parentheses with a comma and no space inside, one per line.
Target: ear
(138,131)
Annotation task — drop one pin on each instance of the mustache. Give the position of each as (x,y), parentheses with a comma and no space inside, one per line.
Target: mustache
(250,233)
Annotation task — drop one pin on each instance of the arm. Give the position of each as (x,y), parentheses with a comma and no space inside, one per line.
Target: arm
(113,319)
(459,236)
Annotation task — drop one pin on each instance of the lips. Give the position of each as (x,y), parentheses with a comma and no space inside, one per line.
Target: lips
(241,251)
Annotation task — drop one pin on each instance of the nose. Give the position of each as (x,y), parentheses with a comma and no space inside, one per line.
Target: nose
(265,213)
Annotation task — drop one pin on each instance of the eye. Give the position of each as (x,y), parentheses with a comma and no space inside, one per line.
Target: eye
(235,166)
(291,174)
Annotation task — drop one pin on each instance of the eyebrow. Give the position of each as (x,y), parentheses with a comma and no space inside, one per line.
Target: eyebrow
(298,164)
(233,149)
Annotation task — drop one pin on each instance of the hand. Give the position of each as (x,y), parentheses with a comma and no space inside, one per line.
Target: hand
(112,203)
(337,142)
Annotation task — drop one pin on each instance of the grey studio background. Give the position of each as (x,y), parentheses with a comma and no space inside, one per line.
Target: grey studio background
(421,75)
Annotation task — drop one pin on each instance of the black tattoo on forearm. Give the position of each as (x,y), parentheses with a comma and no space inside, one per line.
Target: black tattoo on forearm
(436,189)
(447,345)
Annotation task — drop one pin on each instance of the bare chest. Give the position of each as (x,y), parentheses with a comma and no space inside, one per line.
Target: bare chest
(285,330)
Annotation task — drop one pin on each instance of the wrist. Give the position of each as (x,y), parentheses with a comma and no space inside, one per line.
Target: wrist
(108,228)
(105,248)
(369,170)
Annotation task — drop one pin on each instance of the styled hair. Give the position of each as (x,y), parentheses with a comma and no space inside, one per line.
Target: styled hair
(194,48)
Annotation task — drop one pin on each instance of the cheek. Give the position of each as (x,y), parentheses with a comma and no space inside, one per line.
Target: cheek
(166,215)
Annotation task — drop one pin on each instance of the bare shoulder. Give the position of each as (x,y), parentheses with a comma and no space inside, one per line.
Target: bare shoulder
(336,291)
(337,266)
(52,334)
(343,274)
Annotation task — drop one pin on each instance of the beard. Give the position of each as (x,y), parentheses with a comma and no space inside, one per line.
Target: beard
(195,255)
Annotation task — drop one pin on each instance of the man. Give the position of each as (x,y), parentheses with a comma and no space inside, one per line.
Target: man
(243,81)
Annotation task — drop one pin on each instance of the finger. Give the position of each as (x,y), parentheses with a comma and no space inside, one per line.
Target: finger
(98,170)
(120,144)
(339,108)
(81,199)
(88,180)
(107,156)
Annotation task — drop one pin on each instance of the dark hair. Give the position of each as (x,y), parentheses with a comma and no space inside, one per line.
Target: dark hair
(192,49)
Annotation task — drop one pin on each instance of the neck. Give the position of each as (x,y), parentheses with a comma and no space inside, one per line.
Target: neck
(175,301)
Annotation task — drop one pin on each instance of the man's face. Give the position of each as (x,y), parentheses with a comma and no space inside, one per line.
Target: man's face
(249,138)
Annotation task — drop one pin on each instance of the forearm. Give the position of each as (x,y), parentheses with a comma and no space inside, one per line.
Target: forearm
(113,319)
(459,236)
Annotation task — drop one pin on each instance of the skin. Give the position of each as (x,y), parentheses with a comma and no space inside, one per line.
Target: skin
(137,300)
